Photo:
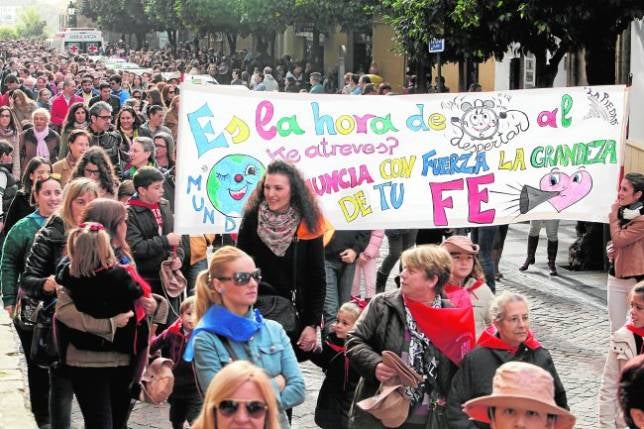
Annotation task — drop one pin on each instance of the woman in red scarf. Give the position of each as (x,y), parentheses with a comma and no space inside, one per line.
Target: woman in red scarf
(625,343)
(413,323)
(508,339)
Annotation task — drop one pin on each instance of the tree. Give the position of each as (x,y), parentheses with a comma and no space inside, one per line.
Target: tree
(209,17)
(8,33)
(163,15)
(120,16)
(30,25)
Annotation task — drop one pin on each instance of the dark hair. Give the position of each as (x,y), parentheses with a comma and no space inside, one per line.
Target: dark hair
(104,85)
(302,199)
(76,133)
(169,145)
(155,95)
(87,79)
(491,411)
(71,113)
(108,212)
(11,78)
(96,155)
(369,89)
(631,388)
(5,147)
(13,122)
(37,186)
(145,176)
(126,188)
(32,166)
(115,78)
(137,118)
(637,180)
(153,108)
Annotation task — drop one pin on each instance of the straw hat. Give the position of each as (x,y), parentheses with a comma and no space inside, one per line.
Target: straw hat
(460,243)
(520,385)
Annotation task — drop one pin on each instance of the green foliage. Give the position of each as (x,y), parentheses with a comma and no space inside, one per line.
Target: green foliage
(30,25)
(209,16)
(120,16)
(8,33)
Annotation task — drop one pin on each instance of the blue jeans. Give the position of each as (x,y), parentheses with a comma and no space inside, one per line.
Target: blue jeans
(339,281)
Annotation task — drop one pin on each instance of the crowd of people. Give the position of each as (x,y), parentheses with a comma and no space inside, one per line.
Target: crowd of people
(87,164)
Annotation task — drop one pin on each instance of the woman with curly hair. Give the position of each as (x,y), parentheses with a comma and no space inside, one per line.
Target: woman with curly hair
(77,119)
(282,229)
(10,130)
(96,165)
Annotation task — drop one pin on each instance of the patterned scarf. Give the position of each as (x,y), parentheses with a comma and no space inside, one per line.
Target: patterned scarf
(419,346)
(276,230)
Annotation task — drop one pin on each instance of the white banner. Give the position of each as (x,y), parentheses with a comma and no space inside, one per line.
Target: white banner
(422,161)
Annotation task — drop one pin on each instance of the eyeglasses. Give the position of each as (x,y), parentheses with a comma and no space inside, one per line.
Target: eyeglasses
(254,409)
(516,319)
(90,172)
(160,146)
(242,278)
(105,117)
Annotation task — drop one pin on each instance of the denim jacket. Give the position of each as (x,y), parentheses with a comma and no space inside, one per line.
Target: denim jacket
(270,349)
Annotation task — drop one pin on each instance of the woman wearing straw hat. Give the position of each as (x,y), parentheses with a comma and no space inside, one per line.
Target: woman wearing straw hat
(509,338)
(522,396)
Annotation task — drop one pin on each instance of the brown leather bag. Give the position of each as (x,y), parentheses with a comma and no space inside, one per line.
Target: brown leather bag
(157,381)
(173,281)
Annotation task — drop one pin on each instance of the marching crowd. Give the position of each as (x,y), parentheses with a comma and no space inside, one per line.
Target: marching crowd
(111,306)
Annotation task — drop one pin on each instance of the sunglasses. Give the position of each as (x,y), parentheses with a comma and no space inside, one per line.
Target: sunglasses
(254,409)
(242,278)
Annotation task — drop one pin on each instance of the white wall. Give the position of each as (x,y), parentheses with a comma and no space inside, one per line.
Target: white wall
(636,98)
(502,72)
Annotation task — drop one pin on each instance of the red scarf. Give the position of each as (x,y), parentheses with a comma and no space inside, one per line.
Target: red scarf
(145,287)
(490,340)
(635,330)
(477,284)
(458,295)
(154,208)
(451,330)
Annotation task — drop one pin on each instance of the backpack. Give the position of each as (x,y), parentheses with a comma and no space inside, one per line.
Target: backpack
(157,381)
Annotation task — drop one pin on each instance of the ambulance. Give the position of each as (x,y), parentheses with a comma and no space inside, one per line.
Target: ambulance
(76,41)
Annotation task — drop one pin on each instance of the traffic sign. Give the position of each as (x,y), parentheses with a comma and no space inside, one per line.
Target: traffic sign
(436,45)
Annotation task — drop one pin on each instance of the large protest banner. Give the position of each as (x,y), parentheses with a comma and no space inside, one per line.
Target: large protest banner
(423,161)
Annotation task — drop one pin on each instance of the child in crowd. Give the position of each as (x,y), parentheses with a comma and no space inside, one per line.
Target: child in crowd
(466,286)
(185,400)
(338,387)
(625,343)
(366,266)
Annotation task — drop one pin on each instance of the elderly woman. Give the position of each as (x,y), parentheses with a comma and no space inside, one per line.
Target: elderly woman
(510,339)
(391,322)
(626,251)
(39,140)
(141,154)
(228,328)
(282,229)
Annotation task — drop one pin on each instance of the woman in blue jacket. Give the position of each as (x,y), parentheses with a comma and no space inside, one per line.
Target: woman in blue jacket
(228,329)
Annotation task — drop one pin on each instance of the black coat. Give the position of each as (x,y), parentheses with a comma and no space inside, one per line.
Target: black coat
(342,240)
(111,142)
(149,248)
(381,327)
(336,393)
(43,258)
(474,379)
(278,270)
(18,209)
(108,293)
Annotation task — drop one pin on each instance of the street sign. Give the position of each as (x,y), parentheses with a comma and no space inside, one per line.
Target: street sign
(436,45)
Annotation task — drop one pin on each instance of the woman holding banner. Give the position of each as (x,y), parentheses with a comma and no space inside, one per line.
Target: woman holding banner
(413,323)
(283,231)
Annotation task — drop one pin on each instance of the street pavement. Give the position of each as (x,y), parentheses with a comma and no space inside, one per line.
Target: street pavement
(568,314)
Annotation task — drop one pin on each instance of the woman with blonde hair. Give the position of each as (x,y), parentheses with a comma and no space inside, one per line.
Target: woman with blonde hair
(228,329)
(22,105)
(239,395)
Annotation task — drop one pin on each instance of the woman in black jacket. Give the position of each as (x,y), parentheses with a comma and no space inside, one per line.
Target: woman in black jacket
(282,230)
(20,207)
(509,339)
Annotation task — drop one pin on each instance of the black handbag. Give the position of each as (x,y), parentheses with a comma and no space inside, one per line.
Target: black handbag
(44,350)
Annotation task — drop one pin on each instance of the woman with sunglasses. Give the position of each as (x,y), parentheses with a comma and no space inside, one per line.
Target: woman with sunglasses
(229,329)
(239,396)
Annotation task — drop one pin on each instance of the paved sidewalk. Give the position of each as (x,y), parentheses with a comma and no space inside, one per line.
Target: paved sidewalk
(568,316)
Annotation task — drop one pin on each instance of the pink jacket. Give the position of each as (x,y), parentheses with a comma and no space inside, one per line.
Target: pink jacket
(628,242)
(60,107)
(373,248)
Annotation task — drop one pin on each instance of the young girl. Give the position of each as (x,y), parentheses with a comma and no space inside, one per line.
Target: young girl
(467,276)
(625,343)
(101,370)
(366,265)
(336,394)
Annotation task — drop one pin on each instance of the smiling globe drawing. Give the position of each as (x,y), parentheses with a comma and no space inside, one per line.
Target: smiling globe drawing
(231,181)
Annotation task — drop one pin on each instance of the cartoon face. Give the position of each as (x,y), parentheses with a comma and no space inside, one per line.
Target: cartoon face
(480,121)
(231,181)
(572,188)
